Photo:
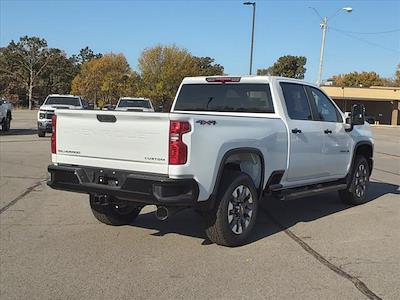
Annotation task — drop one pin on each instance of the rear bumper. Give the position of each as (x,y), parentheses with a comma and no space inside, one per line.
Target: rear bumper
(126,185)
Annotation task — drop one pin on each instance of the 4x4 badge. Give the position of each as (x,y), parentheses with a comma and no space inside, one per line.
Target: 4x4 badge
(206,122)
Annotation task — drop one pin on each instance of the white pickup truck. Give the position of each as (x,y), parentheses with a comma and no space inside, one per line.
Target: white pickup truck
(5,114)
(50,104)
(228,144)
(134,104)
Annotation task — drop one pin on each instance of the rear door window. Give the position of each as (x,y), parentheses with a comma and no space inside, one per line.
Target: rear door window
(296,101)
(228,97)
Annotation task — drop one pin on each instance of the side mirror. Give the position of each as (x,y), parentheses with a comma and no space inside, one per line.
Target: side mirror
(357,114)
(356,117)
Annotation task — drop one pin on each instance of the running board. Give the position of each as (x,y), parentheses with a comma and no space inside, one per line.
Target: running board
(301,192)
(275,187)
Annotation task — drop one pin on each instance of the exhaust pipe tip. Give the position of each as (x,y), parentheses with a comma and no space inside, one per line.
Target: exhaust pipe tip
(162,213)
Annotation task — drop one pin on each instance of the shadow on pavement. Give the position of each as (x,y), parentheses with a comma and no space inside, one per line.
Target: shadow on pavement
(287,213)
(19,132)
(378,189)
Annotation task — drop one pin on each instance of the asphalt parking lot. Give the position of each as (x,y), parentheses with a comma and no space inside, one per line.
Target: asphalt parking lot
(51,247)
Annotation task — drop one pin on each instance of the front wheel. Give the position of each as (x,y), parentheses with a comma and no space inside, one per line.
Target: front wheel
(6,123)
(233,218)
(41,133)
(356,193)
(112,212)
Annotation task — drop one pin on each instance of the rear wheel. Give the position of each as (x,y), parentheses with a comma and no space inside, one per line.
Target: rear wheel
(113,212)
(41,133)
(233,218)
(356,193)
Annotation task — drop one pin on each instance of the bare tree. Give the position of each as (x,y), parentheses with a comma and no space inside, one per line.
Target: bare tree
(24,61)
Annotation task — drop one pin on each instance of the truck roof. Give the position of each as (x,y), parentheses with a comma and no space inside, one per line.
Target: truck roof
(59,95)
(133,98)
(245,78)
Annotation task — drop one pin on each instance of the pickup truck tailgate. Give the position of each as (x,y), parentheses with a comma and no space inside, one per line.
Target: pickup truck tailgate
(135,141)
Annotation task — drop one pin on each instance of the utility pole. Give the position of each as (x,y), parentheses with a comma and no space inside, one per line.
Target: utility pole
(324,27)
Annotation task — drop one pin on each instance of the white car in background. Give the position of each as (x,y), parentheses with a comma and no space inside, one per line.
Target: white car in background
(53,102)
(134,104)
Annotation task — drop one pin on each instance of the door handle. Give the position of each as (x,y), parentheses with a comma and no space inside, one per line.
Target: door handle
(296,130)
(328,131)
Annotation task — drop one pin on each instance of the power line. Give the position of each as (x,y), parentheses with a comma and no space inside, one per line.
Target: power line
(359,32)
(366,41)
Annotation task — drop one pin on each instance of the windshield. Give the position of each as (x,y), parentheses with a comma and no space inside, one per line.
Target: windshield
(230,97)
(73,101)
(134,103)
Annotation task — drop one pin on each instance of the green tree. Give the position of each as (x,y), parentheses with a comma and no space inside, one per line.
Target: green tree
(24,61)
(356,79)
(207,67)
(105,79)
(389,82)
(162,69)
(85,54)
(264,72)
(286,66)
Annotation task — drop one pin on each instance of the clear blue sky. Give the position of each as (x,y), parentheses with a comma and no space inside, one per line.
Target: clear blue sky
(219,29)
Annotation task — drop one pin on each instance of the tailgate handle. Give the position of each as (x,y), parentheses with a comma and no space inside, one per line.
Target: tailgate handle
(107,118)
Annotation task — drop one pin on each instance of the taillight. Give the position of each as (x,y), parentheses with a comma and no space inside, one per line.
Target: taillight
(177,148)
(53,134)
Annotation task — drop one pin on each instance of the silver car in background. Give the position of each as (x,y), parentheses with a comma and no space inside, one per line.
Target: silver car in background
(5,114)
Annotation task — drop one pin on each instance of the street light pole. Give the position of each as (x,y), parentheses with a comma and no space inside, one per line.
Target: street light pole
(324,26)
(252,34)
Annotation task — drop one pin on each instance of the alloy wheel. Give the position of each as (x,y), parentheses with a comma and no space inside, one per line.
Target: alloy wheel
(361,181)
(240,209)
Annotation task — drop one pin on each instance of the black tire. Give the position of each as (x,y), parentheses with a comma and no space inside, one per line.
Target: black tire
(6,123)
(229,223)
(41,133)
(113,213)
(199,212)
(356,192)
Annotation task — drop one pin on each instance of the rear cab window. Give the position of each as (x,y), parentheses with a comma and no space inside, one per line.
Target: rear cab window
(225,97)
(134,103)
(54,100)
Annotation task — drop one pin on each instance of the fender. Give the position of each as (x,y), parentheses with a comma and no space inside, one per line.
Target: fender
(210,203)
(370,160)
